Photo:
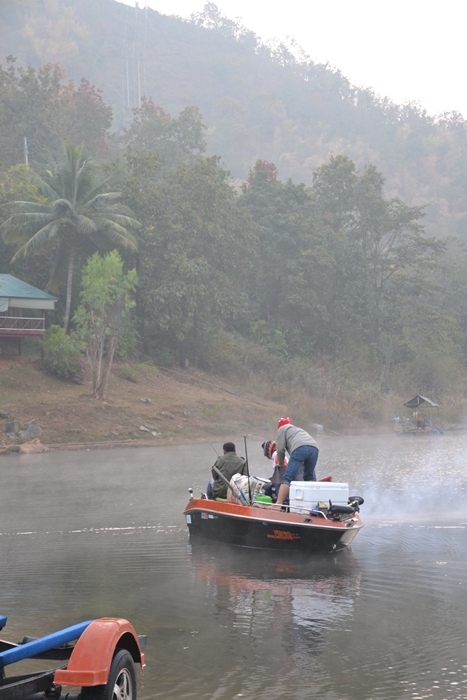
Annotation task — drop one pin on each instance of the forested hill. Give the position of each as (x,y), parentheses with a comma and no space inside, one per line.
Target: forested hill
(257,101)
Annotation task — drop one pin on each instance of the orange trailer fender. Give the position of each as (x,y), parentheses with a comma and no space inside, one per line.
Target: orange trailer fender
(92,655)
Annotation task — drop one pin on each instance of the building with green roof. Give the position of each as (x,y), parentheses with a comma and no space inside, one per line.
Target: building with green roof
(17,298)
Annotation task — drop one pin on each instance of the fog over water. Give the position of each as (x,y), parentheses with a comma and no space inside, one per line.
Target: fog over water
(101,533)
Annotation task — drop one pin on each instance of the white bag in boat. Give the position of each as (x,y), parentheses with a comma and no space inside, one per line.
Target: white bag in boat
(241,491)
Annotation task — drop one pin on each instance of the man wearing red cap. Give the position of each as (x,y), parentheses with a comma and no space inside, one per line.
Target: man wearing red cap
(302,449)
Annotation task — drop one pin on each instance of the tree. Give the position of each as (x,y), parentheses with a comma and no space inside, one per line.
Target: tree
(15,184)
(290,283)
(176,141)
(84,116)
(79,211)
(106,299)
(141,194)
(384,259)
(42,107)
(195,258)
(454,296)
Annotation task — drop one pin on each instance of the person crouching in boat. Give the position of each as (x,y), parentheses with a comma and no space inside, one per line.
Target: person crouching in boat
(302,449)
(270,451)
(228,464)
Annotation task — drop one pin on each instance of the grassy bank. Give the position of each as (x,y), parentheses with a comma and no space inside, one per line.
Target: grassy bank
(150,405)
(145,405)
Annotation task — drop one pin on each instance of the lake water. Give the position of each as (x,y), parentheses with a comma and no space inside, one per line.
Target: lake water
(101,533)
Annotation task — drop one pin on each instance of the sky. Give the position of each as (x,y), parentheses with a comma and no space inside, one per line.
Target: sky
(410,50)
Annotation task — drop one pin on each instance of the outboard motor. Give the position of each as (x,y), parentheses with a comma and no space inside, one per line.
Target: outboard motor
(337,511)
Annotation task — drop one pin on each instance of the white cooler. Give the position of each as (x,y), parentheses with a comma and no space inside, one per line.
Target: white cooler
(304,495)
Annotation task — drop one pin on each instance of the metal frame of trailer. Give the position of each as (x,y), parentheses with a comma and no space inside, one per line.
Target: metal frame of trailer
(97,658)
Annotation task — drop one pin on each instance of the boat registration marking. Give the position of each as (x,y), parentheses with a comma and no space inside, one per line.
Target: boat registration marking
(188,519)
(284,535)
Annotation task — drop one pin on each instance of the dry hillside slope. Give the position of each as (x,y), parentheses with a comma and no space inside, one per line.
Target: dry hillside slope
(177,407)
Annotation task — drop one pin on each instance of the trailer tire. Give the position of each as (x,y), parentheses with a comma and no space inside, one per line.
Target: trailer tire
(121,683)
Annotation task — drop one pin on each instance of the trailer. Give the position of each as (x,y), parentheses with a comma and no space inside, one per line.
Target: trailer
(96,659)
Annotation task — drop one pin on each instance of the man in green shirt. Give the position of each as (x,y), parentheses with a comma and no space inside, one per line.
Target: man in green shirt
(228,464)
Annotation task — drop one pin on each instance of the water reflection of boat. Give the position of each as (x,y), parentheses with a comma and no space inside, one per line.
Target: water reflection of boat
(224,564)
(310,524)
(301,599)
(419,417)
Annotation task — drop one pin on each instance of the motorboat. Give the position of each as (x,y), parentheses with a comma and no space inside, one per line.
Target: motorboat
(321,517)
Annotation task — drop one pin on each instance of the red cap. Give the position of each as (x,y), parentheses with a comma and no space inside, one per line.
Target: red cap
(284,421)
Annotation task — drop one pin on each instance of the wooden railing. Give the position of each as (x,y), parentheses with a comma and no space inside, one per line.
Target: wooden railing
(20,325)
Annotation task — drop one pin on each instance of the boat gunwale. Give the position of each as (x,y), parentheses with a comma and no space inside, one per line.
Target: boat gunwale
(199,504)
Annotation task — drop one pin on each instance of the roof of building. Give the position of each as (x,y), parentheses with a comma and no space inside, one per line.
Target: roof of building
(420,401)
(13,287)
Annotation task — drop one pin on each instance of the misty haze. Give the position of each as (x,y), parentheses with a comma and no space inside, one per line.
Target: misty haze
(200,232)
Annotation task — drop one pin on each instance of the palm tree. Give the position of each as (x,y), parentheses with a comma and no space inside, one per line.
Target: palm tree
(79,210)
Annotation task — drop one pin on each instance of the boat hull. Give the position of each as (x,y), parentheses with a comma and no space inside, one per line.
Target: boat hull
(268,529)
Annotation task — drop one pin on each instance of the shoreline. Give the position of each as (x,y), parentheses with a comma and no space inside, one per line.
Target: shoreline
(185,441)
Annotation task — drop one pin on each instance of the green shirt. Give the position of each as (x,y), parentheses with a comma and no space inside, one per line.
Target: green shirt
(229,464)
